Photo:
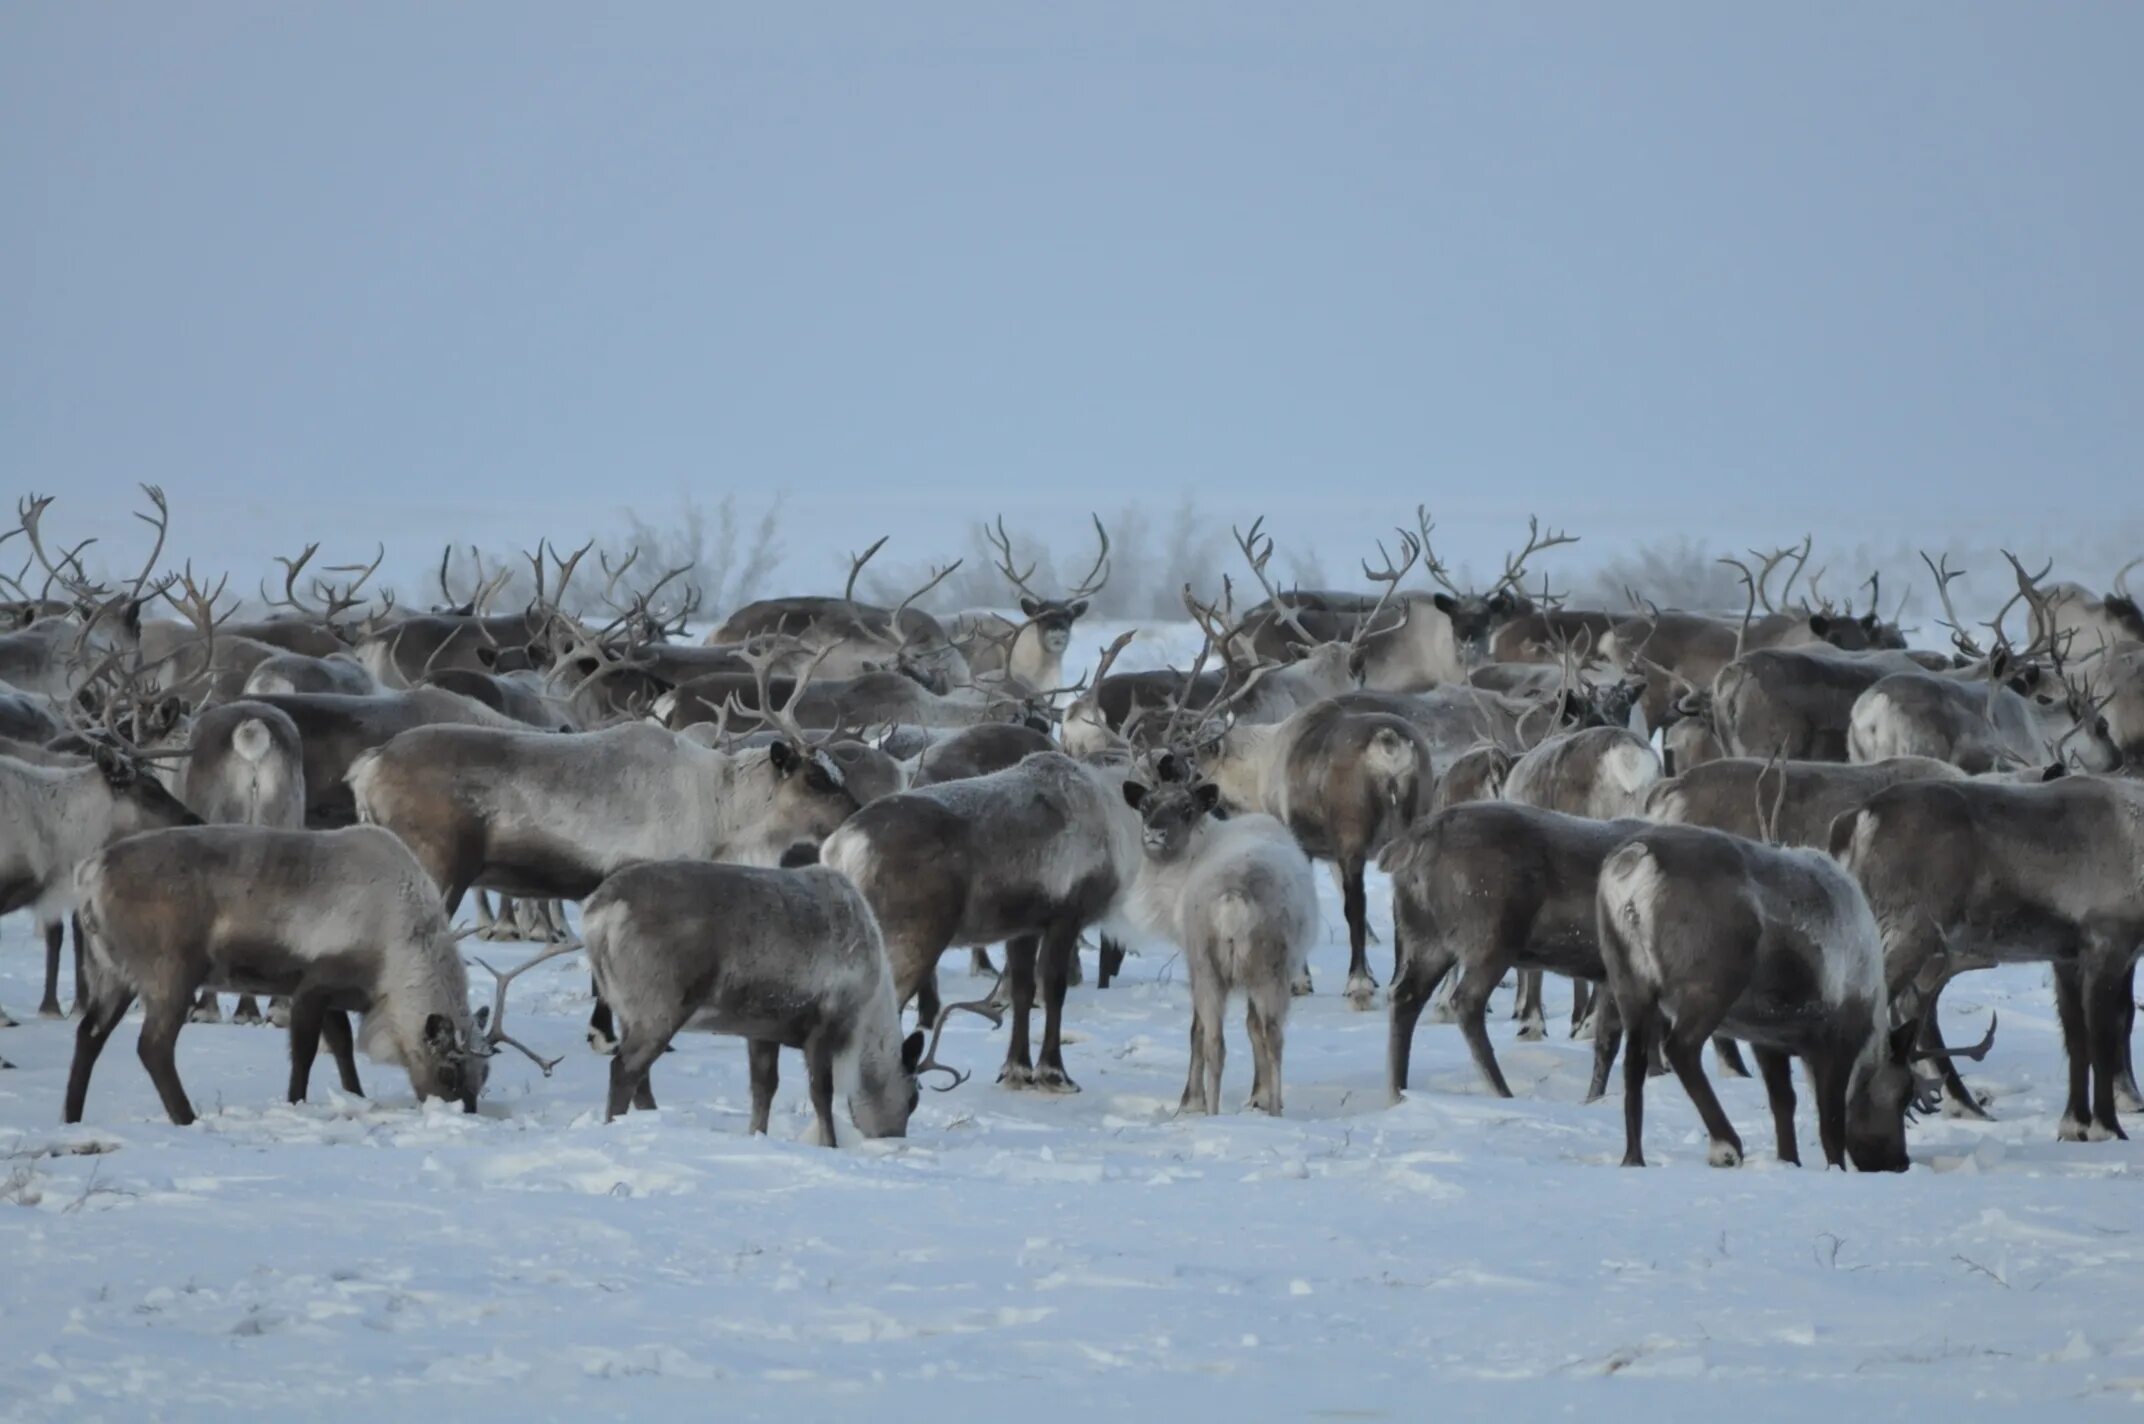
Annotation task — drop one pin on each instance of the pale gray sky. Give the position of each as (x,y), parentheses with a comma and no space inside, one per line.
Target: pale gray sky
(448,269)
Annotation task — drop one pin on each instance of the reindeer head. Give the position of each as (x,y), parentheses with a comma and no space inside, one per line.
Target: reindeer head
(1171,815)
(1475,617)
(451,1062)
(1051,618)
(886,1100)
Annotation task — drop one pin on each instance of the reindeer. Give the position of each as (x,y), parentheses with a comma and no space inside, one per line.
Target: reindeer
(1490,887)
(1343,781)
(1797,702)
(1791,802)
(1967,874)
(1477,774)
(27,717)
(2092,628)
(846,638)
(399,654)
(1031,653)
(1601,773)
(338,922)
(781,958)
(335,729)
(1028,856)
(245,766)
(1702,933)
(339,673)
(869,699)
(1238,898)
(1999,720)
(56,656)
(1410,641)
(978,751)
(94,785)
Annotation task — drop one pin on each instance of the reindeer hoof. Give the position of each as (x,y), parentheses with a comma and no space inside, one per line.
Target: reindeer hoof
(2100,1132)
(54,1011)
(251,1018)
(7,1020)
(1724,1154)
(1016,1076)
(1633,1159)
(1974,1105)
(2126,1100)
(1300,987)
(1533,1031)
(279,1015)
(209,1014)
(601,1042)
(1361,993)
(1053,1080)
(2070,1130)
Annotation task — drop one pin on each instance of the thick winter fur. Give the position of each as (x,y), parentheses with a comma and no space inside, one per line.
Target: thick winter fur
(399,654)
(1344,782)
(550,815)
(861,635)
(340,922)
(1455,720)
(1543,635)
(1238,898)
(52,818)
(1600,772)
(1978,725)
(335,729)
(1702,933)
(1030,652)
(1733,793)
(1420,640)
(1028,856)
(1796,702)
(1490,888)
(1971,873)
(780,958)
(1097,717)
(296,672)
(2087,627)
(27,716)
(1695,646)
(867,699)
(247,767)
(1475,775)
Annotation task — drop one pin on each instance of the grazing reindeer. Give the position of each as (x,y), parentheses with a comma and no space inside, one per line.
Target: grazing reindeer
(1702,933)
(1343,782)
(1238,898)
(1027,857)
(338,922)
(781,958)
(1491,887)
(1967,874)
(245,767)
(1030,653)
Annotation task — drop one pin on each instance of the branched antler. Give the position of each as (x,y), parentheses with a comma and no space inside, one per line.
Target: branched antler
(491,1022)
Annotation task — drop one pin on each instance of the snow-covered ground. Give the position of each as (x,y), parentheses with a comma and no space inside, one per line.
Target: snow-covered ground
(1453,1254)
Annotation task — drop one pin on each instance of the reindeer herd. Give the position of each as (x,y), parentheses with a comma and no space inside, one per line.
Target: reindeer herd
(1777,829)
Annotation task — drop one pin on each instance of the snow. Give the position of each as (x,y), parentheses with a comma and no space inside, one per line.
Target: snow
(1455,1253)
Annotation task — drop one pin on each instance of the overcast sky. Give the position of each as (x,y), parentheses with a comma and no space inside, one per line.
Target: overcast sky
(462,269)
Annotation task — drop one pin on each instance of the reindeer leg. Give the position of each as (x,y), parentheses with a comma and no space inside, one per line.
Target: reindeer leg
(55,934)
(1533,1024)
(1194,1098)
(248,1010)
(308,1014)
(1581,1003)
(1058,945)
(1730,1056)
(1212,1021)
(99,1017)
(765,1056)
(819,1059)
(278,1011)
(979,964)
(1607,1038)
(1637,1056)
(335,1028)
(1687,1057)
(2069,1008)
(1361,988)
(158,1051)
(1778,1071)
(1019,1069)
(1420,974)
(1268,1016)
(206,1008)
(1827,1077)
(2127,1097)
(602,1033)
(638,1048)
(1112,962)
(1443,1004)
(2103,1020)
(81,967)
(1472,1002)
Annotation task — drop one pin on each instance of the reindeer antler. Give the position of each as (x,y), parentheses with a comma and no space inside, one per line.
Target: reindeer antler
(982,1008)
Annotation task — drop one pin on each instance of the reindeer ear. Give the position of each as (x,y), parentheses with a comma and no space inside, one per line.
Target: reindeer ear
(1358,663)
(1032,607)
(785,757)
(2055,771)
(1207,795)
(1134,795)
(488,655)
(1820,624)
(1870,622)
(1077,608)
(912,1052)
(1446,604)
(1499,603)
